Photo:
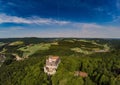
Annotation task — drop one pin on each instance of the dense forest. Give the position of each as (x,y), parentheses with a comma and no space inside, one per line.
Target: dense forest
(103,68)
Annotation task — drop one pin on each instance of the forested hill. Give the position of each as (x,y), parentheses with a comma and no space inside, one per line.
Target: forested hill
(25,58)
(27,40)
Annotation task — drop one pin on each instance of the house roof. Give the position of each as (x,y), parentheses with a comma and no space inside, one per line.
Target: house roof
(80,73)
(54,57)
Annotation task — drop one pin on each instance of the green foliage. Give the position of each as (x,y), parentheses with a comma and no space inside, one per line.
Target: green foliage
(27,72)
(102,68)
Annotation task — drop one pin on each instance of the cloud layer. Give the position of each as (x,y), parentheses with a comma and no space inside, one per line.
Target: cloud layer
(30,20)
(71,29)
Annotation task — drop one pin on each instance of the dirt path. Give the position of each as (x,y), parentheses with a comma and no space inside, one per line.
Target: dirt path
(17,57)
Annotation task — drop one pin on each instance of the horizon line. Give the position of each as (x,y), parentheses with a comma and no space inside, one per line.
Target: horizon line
(62,37)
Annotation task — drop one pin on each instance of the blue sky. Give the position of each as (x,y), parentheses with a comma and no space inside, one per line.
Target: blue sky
(60,18)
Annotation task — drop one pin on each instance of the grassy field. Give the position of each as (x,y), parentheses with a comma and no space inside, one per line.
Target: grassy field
(79,50)
(1,43)
(31,49)
(16,43)
(88,47)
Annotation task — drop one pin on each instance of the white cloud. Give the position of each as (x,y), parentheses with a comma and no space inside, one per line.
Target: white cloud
(68,28)
(116,19)
(30,20)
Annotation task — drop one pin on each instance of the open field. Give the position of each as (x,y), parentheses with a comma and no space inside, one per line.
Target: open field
(16,43)
(31,49)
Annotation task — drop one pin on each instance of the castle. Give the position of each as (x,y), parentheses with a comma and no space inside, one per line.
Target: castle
(51,65)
